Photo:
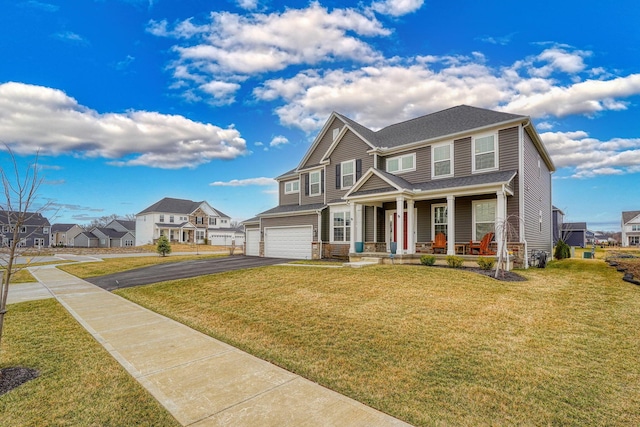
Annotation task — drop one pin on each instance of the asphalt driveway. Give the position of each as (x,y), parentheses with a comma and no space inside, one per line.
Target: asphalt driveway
(179,270)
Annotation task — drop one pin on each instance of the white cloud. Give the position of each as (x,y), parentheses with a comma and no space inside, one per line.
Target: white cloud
(426,84)
(248,4)
(396,7)
(36,117)
(231,47)
(589,157)
(72,37)
(278,141)
(222,92)
(245,182)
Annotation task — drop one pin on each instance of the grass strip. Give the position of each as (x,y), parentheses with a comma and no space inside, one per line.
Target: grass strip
(79,384)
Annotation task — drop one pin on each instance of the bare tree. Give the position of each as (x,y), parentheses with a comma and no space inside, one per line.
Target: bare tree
(506,231)
(17,209)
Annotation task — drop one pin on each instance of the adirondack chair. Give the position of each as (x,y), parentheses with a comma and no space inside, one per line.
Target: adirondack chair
(439,244)
(482,246)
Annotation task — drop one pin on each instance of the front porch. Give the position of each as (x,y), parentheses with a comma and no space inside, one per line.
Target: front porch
(377,252)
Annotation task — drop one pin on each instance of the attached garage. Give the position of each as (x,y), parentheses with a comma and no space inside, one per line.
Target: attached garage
(252,240)
(288,242)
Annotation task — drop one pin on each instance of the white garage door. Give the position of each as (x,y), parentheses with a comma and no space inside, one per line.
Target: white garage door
(288,242)
(252,237)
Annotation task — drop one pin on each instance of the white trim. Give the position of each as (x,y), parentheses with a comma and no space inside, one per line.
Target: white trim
(342,174)
(400,169)
(291,191)
(474,203)
(342,209)
(433,219)
(319,183)
(390,216)
(433,161)
(496,157)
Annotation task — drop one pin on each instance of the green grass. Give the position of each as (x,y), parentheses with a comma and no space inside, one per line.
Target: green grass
(114,265)
(80,384)
(435,346)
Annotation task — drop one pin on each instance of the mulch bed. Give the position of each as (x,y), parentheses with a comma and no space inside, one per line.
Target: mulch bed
(11,378)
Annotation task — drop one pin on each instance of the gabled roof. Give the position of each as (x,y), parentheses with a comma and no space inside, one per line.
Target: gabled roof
(441,124)
(178,206)
(129,225)
(57,228)
(629,215)
(31,218)
(574,226)
(111,233)
(293,209)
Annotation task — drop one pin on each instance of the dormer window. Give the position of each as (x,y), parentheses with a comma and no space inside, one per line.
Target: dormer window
(291,187)
(400,164)
(485,153)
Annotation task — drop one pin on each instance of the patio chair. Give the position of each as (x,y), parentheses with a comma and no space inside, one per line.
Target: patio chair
(439,243)
(482,247)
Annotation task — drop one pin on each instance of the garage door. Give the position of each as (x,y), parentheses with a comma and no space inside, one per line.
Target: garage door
(288,242)
(252,237)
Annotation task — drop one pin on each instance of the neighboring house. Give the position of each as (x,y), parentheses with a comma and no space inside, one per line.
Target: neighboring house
(122,225)
(34,232)
(86,240)
(558,221)
(112,238)
(463,172)
(576,234)
(185,221)
(630,228)
(65,234)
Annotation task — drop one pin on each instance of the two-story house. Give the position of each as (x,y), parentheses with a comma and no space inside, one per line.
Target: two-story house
(630,228)
(463,172)
(33,229)
(64,234)
(185,221)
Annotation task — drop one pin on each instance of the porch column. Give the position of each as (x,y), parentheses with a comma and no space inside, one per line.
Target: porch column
(411,241)
(400,224)
(451,225)
(352,224)
(360,222)
(501,217)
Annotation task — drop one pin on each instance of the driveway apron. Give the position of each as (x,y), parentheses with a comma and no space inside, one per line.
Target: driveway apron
(201,381)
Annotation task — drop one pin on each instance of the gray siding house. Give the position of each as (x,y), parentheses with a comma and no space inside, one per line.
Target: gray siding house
(33,229)
(463,171)
(65,234)
(630,229)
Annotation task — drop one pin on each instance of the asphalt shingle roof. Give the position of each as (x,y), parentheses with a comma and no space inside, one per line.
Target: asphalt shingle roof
(629,215)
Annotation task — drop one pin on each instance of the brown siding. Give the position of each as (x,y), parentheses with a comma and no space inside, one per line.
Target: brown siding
(462,157)
(464,219)
(374,183)
(369,222)
(288,199)
(350,147)
(537,197)
(508,148)
(423,233)
(323,145)
(423,165)
(308,200)
(306,219)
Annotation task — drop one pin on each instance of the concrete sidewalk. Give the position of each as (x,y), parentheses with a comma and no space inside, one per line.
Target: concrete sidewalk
(201,381)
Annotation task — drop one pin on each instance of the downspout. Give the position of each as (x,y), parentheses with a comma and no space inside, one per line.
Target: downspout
(521,212)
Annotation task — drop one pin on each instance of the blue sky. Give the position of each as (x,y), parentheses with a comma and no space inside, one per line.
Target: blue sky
(130,101)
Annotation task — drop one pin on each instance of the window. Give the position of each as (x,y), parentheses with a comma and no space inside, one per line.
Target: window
(348,173)
(45,230)
(485,153)
(341,226)
(38,242)
(401,164)
(213,221)
(161,218)
(128,243)
(291,187)
(5,228)
(484,218)
(23,229)
(439,215)
(441,160)
(635,227)
(336,132)
(200,235)
(634,240)
(314,183)
(171,218)
(199,220)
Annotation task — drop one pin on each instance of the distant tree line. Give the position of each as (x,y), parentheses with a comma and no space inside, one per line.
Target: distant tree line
(104,220)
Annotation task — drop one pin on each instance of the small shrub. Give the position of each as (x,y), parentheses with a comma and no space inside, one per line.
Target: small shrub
(163,247)
(427,260)
(562,250)
(486,263)
(454,261)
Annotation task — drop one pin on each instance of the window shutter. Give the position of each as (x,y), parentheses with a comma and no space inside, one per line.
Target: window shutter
(322,181)
(306,184)
(338,177)
(358,168)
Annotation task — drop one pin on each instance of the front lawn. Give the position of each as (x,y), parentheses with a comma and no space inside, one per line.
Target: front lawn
(435,345)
